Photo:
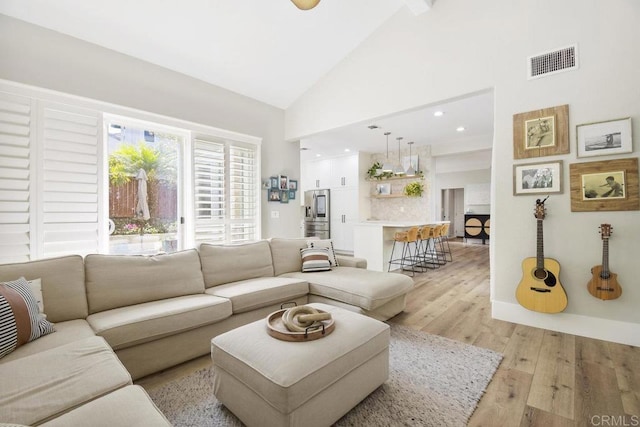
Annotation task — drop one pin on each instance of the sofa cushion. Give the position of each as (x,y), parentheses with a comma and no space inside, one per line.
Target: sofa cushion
(63,287)
(315,259)
(127,326)
(20,318)
(44,385)
(356,286)
(128,406)
(250,294)
(286,255)
(121,280)
(66,332)
(232,263)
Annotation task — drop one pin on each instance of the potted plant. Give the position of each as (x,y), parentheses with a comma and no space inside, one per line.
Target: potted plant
(414,189)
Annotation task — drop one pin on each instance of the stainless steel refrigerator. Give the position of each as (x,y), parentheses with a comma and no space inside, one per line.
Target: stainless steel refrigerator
(316,214)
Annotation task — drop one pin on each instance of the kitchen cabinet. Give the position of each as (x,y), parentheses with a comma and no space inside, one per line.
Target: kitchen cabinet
(344,215)
(316,174)
(344,171)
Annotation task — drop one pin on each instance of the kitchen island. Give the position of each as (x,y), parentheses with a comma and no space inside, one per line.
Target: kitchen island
(373,240)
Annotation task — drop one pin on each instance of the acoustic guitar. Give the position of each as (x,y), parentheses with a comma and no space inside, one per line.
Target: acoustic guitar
(540,288)
(604,284)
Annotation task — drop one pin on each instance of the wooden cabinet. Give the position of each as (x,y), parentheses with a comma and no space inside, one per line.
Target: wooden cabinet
(477,226)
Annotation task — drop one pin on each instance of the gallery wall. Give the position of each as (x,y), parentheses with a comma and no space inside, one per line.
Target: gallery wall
(461,47)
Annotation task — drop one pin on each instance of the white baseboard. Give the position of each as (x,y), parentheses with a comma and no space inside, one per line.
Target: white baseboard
(575,324)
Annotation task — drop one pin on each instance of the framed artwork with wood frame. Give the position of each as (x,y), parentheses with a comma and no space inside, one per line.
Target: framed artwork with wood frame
(608,185)
(541,133)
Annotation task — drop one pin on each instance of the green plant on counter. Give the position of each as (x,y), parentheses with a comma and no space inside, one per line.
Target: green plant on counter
(414,189)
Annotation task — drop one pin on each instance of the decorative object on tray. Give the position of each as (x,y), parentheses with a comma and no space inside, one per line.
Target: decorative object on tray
(300,323)
(414,189)
(541,133)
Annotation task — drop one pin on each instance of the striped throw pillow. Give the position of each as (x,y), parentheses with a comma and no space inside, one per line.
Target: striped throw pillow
(315,259)
(20,320)
(328,244)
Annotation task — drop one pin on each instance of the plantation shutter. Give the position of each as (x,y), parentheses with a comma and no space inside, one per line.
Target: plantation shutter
(69,188)
(209,191)
(243,197)
(16,201)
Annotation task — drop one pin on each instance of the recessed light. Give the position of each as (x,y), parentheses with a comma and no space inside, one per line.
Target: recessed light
(439,113)
(346,150)
(318,155)
(303,148)
(460,129)
(372,127)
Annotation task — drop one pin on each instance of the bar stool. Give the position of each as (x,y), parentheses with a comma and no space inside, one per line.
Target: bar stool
(407,259)
(445,241)
(435,252)
(424,243)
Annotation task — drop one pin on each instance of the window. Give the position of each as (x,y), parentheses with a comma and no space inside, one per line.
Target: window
(144,176)
(58,192)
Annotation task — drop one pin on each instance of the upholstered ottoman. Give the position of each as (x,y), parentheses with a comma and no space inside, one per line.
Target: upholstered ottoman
(268,382)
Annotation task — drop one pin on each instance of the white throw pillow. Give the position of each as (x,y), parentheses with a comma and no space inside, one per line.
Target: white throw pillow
(315,259)
(327,244)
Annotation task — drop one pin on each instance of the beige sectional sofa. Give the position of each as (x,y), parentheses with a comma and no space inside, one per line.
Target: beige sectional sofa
(123,317)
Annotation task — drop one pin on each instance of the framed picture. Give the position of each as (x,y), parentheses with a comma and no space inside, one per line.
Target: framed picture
(293,184)
(292,195)
(604,138)
(609,185)
(541,133)
(537,178)
(266,184)
(383,189)
(284,182)
(274,195)
(284,196)
(274,182)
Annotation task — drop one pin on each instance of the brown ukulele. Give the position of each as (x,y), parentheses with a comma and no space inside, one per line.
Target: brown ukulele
(540,289)
(604,284)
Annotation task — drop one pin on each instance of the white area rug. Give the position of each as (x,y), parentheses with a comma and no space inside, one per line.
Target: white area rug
(433,381)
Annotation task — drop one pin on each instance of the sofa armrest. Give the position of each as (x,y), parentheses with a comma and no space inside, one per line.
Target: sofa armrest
(349,261)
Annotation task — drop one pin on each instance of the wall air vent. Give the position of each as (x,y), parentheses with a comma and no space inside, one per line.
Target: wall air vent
(557,61)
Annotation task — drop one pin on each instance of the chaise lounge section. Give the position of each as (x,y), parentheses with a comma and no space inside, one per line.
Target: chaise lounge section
(151,313)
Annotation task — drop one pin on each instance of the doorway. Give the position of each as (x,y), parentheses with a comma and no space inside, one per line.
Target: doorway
(453,210)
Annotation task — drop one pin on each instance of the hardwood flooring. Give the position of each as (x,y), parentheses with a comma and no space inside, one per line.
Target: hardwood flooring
(545,379)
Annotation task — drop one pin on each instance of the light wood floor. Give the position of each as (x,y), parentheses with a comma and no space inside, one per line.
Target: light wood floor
(545,379)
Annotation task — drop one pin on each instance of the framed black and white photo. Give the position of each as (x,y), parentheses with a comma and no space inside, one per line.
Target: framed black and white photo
(604,138)
(537,178)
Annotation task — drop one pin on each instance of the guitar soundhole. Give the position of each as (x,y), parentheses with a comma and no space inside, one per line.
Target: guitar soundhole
(547,276)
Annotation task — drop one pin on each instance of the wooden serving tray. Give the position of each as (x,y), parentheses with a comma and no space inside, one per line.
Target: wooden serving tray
(277,329)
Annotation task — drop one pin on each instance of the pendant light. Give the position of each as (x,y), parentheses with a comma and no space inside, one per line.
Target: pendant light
(411,171)
(387,166)
(398,169)
(305,4)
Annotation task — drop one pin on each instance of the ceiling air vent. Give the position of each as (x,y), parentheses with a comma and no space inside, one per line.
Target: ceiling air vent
(557,61)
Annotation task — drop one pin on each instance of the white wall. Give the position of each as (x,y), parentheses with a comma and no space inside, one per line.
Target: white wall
(463,46)
(36,56)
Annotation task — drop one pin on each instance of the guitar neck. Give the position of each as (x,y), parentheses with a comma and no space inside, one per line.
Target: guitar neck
(540,247)
(605,257)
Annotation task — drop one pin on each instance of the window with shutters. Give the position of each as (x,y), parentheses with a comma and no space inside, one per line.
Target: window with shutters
(72,171)
(225,191)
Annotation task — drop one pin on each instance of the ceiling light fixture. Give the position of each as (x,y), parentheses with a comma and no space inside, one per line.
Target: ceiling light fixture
(398,169)
(411,171)
(460,129)
(439,113)
(387,166)
(305,4)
